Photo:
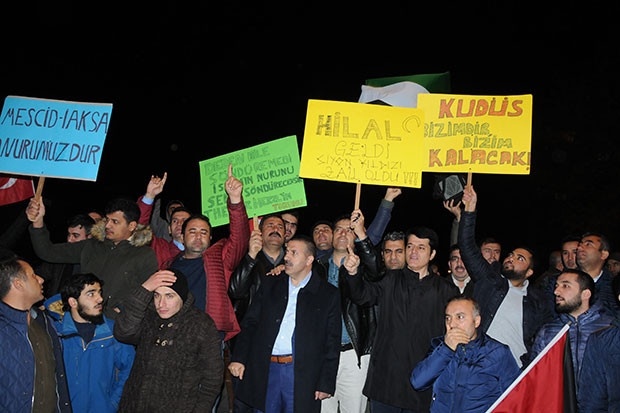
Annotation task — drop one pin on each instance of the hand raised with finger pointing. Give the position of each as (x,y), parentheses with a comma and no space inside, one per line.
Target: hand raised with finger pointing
(351,262)
(233,187)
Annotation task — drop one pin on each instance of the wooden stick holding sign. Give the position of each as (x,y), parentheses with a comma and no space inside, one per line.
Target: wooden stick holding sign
(469,178)
(37,195)
(358,194)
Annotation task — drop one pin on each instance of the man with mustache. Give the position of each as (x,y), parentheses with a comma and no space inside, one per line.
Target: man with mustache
(592,253)
(286,356)
(265,252)
(97,364)
(458,273)
(512,312)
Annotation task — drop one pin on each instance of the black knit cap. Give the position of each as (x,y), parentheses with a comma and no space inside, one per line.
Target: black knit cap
(322,222)
(180,285)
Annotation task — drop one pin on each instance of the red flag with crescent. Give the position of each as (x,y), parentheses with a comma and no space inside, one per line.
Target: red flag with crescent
(13,189)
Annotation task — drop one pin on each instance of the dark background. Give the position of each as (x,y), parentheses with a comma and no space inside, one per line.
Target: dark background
(190,82)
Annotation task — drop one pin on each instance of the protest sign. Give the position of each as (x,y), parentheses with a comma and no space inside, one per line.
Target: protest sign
(363,144)
(270,176)
(484,134)
(53,138)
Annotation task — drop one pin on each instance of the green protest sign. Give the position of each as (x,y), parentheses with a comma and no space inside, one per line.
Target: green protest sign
(270,176)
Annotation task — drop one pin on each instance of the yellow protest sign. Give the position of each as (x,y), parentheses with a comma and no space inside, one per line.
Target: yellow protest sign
(485,134)
(363,143)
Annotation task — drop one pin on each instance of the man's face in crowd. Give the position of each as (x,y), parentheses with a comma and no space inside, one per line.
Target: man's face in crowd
(197,236)
(273,231)
(589,252)
(343,235)
(290,226)
(568,296)
(517,265)
(76,234)
(297,262)
(460,314)
(167,302)
(569,254)
(491,251)
(419,253)
(89,305)
(394,254)
(457,268)
(176,225)
(323,237)
(117,228)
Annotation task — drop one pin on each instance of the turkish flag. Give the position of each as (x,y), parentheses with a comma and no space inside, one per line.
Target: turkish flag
(542,386)
(14,189)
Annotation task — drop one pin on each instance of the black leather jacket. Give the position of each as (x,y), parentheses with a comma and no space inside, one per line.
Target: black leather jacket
(360,321)
(246,279)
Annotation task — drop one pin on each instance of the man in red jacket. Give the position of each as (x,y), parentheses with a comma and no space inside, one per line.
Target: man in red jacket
(207,266)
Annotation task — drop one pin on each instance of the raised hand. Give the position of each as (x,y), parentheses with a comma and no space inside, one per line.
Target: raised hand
(161,278)
(351,262)
(391,193)
(357,224)
(35,211)
(233,187)
(470,198)
(155,186)
(454,209)
(256,243)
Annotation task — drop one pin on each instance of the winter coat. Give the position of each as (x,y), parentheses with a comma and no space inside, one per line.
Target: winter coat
(178,365)
(599,381)
(316,342)
(580,329)
(220,260)
(412,312)
(97,371)
(469,379)
(246,280)
(360,321)
(122,266)
(17,361)
(491,287)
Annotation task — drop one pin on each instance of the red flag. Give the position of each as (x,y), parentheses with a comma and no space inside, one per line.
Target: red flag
(540,387)
(14,189)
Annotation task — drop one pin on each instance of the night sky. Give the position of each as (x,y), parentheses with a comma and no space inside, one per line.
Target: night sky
(192,82)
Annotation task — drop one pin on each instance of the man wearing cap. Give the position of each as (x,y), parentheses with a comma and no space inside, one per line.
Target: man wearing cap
(178,364)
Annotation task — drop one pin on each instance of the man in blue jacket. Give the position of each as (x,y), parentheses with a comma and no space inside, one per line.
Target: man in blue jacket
(600,371)
(97,365)
(468,371)
(28,339)
(576,304)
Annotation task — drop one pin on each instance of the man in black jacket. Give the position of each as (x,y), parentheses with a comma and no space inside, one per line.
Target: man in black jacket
(287,352)
(512,311)
(358,323)
(411,303)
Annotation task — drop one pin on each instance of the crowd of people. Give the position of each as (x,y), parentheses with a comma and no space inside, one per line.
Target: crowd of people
(139,312)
